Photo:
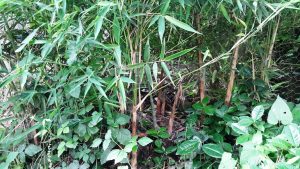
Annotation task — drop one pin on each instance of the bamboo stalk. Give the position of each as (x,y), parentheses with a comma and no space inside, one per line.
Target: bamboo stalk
(172,115)
(232,76)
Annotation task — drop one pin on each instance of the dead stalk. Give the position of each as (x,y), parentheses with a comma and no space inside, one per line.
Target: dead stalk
(172,115)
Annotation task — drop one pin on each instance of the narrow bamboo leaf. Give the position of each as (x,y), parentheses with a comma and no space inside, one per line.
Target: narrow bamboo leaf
(101,91)
(147,51)
(149,75)
(224,12)
(240,5)
(111,83)
(153,20)
(99,20)
(155,71)
(87,88)
(27,40)
(137,65)
(161,28)
(180,24)
(181,3)
(122,92)
(116,30)
(166,4)
(178,54)
(167,71)
(127,80)
(117,54)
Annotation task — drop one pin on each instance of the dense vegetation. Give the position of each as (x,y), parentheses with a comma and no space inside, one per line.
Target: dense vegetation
(149,84)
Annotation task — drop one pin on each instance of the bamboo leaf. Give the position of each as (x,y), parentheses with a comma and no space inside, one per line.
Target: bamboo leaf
(27,40)
(180,24)
(167,71)
(149,75)
(99,20)
(224,12)
(155,71)
(161,28)
(116,30)
(178,54)
(122,93)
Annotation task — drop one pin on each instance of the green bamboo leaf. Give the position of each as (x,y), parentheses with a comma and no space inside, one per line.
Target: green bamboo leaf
(178,54)
(166,4)
(116,30)
(127,80)
(122,92)
(117,54)
(111,83)
(101,91)
(224,12)
(147,51)
(167,71)
(180,24)
(161,27)
(153,20)
(155,71)
(27,40)
(99,20)
(135,66)
(87,88)
(149,75)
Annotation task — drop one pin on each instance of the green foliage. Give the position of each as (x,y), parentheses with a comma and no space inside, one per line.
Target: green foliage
(75,72)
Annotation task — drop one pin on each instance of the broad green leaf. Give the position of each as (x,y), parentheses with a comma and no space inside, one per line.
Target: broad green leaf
(117,155)
(227,162)
(61,148)
(96,142)
(123,136)
(27,40)
(257,112)
(123,167)
(166,70)
(149,75)
(80,130)
(99,20)
(213,150)
(161,28)
(246,121)
(280,112)
(236,127)
(257,138)
(178,54)
(145,141)
(292,133)
(296,114)
(122,119)
(155,71)
(180,24)
(224,12)
(187,147)
(249,155)
(32,150)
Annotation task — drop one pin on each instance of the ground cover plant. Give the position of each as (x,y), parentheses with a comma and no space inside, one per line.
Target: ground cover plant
(149,84)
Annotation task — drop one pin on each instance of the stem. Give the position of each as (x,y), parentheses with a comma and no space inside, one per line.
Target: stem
(172,116)
(232,76)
